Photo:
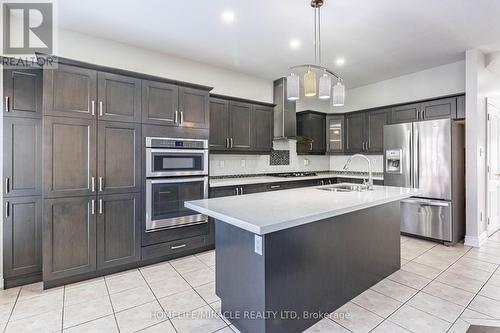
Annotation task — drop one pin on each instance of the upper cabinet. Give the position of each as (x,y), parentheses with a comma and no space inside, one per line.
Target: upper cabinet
(451,107)
(193,107)
(334,134)
(119,97)
(22,90)
(70,91)
(364,131)
(240,126)
(311,127)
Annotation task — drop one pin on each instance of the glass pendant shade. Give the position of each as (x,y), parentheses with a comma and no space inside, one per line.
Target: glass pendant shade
(338,94)
(292,87)
(325,86)
(310,84)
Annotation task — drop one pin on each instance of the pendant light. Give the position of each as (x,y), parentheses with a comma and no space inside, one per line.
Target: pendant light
(313,87)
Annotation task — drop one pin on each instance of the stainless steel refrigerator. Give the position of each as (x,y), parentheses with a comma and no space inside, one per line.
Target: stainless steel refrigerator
(429,155)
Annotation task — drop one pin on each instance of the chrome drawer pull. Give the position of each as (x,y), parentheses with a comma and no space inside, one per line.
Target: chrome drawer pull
(177,247)
(7,185)
(7,104)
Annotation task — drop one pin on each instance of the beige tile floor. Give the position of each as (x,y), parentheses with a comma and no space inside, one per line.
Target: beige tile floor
(437,289)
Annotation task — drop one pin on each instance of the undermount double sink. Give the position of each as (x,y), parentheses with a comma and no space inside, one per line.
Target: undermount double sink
(345,188)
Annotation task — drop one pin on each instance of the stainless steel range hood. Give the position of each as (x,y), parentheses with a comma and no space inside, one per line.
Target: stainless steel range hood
(285,123)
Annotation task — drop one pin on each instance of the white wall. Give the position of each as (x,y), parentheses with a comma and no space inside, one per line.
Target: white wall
(480,83)
(433,82)
(104,52)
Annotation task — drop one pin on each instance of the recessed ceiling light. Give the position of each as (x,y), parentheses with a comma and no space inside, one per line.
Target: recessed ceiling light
(228,16)
(340,61)
(295,44)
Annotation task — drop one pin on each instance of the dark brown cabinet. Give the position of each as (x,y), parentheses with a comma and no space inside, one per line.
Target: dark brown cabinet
(460,107)
(374,130)
(354,132)
(334,134)
(22,89)
(193,108)
(240,129)
(22,236)
(160,103)
(69,156)
(262,128)
(70,91)
(118,229)
(118,157)
(219,124)
(119,97)
(405,113)
(440,108)
(240,125)
(311,126)
(69,237)
(22,156)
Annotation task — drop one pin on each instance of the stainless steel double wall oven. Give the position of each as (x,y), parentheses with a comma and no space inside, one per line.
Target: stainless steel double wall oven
(176,171)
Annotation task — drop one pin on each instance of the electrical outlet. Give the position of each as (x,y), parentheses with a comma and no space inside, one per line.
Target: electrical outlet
(306,162)
(243,163)
(221,164)
(258,244)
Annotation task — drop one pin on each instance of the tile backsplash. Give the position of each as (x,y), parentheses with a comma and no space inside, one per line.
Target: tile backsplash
(225,164)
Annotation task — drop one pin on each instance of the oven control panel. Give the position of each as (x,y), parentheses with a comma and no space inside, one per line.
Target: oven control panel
(176,143)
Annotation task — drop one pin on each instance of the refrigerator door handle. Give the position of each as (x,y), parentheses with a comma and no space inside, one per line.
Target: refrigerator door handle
(410,147)
(416,158)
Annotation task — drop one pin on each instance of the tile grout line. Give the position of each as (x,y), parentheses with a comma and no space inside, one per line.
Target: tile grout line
(12,310)
(112,307)
(62,312)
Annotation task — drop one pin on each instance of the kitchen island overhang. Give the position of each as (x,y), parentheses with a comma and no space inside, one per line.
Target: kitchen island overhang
(288,275)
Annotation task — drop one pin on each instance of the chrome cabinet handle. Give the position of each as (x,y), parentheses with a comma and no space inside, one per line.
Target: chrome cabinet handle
(7,109)
(92,207)
(227,143)
(177,247)
(7,185)
(231,143)
(274,186)
(100,108)
(100,206)
(92,103)
(181,118)
(7,213)
(241,190)
(237,191)
(176,117)
(100,184)
(92,185)
(311,146)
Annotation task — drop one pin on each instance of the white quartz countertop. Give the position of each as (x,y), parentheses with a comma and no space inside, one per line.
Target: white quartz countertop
(271,179)
(267,212)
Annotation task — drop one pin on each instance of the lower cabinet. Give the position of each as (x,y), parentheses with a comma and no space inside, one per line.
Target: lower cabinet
(69,237)
(85,234)
(22,236)
(118,229)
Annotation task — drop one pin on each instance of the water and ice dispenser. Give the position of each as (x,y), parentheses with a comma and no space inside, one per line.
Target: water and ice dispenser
(393,160)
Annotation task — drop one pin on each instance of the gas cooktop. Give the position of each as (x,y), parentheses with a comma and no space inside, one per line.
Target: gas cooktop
(295,174)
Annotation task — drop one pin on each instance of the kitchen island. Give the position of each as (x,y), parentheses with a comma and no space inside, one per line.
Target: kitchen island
(286,259)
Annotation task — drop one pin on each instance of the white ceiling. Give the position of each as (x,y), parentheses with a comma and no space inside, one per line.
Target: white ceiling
(379,39)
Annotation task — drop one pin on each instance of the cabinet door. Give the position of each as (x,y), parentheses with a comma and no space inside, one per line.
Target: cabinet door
(262,128)
(405,113)
(119,97)
(69,156)
(335,134)
(118,229)
(70,91)
(240,118)
(374,130)
(460,107)
(193,107)
(354,132)
(217,192)
(160,103)
(22,160)
(219,124)
(441,108)
(22,90)
(69,237)
(22,236)
(317,128)
(118,157)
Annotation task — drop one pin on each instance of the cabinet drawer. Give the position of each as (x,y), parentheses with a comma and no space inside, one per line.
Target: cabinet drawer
(169,235)
(174,247)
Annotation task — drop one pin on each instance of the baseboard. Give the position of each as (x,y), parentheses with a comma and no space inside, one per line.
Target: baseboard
(476,241)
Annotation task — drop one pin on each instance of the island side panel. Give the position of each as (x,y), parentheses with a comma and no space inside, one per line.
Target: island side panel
(240,277)
(320,266)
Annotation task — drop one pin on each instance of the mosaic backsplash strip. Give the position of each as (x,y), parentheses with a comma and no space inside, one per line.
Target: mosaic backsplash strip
(279,157)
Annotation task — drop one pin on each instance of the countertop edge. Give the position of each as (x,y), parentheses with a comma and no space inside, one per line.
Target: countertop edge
(295,222)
